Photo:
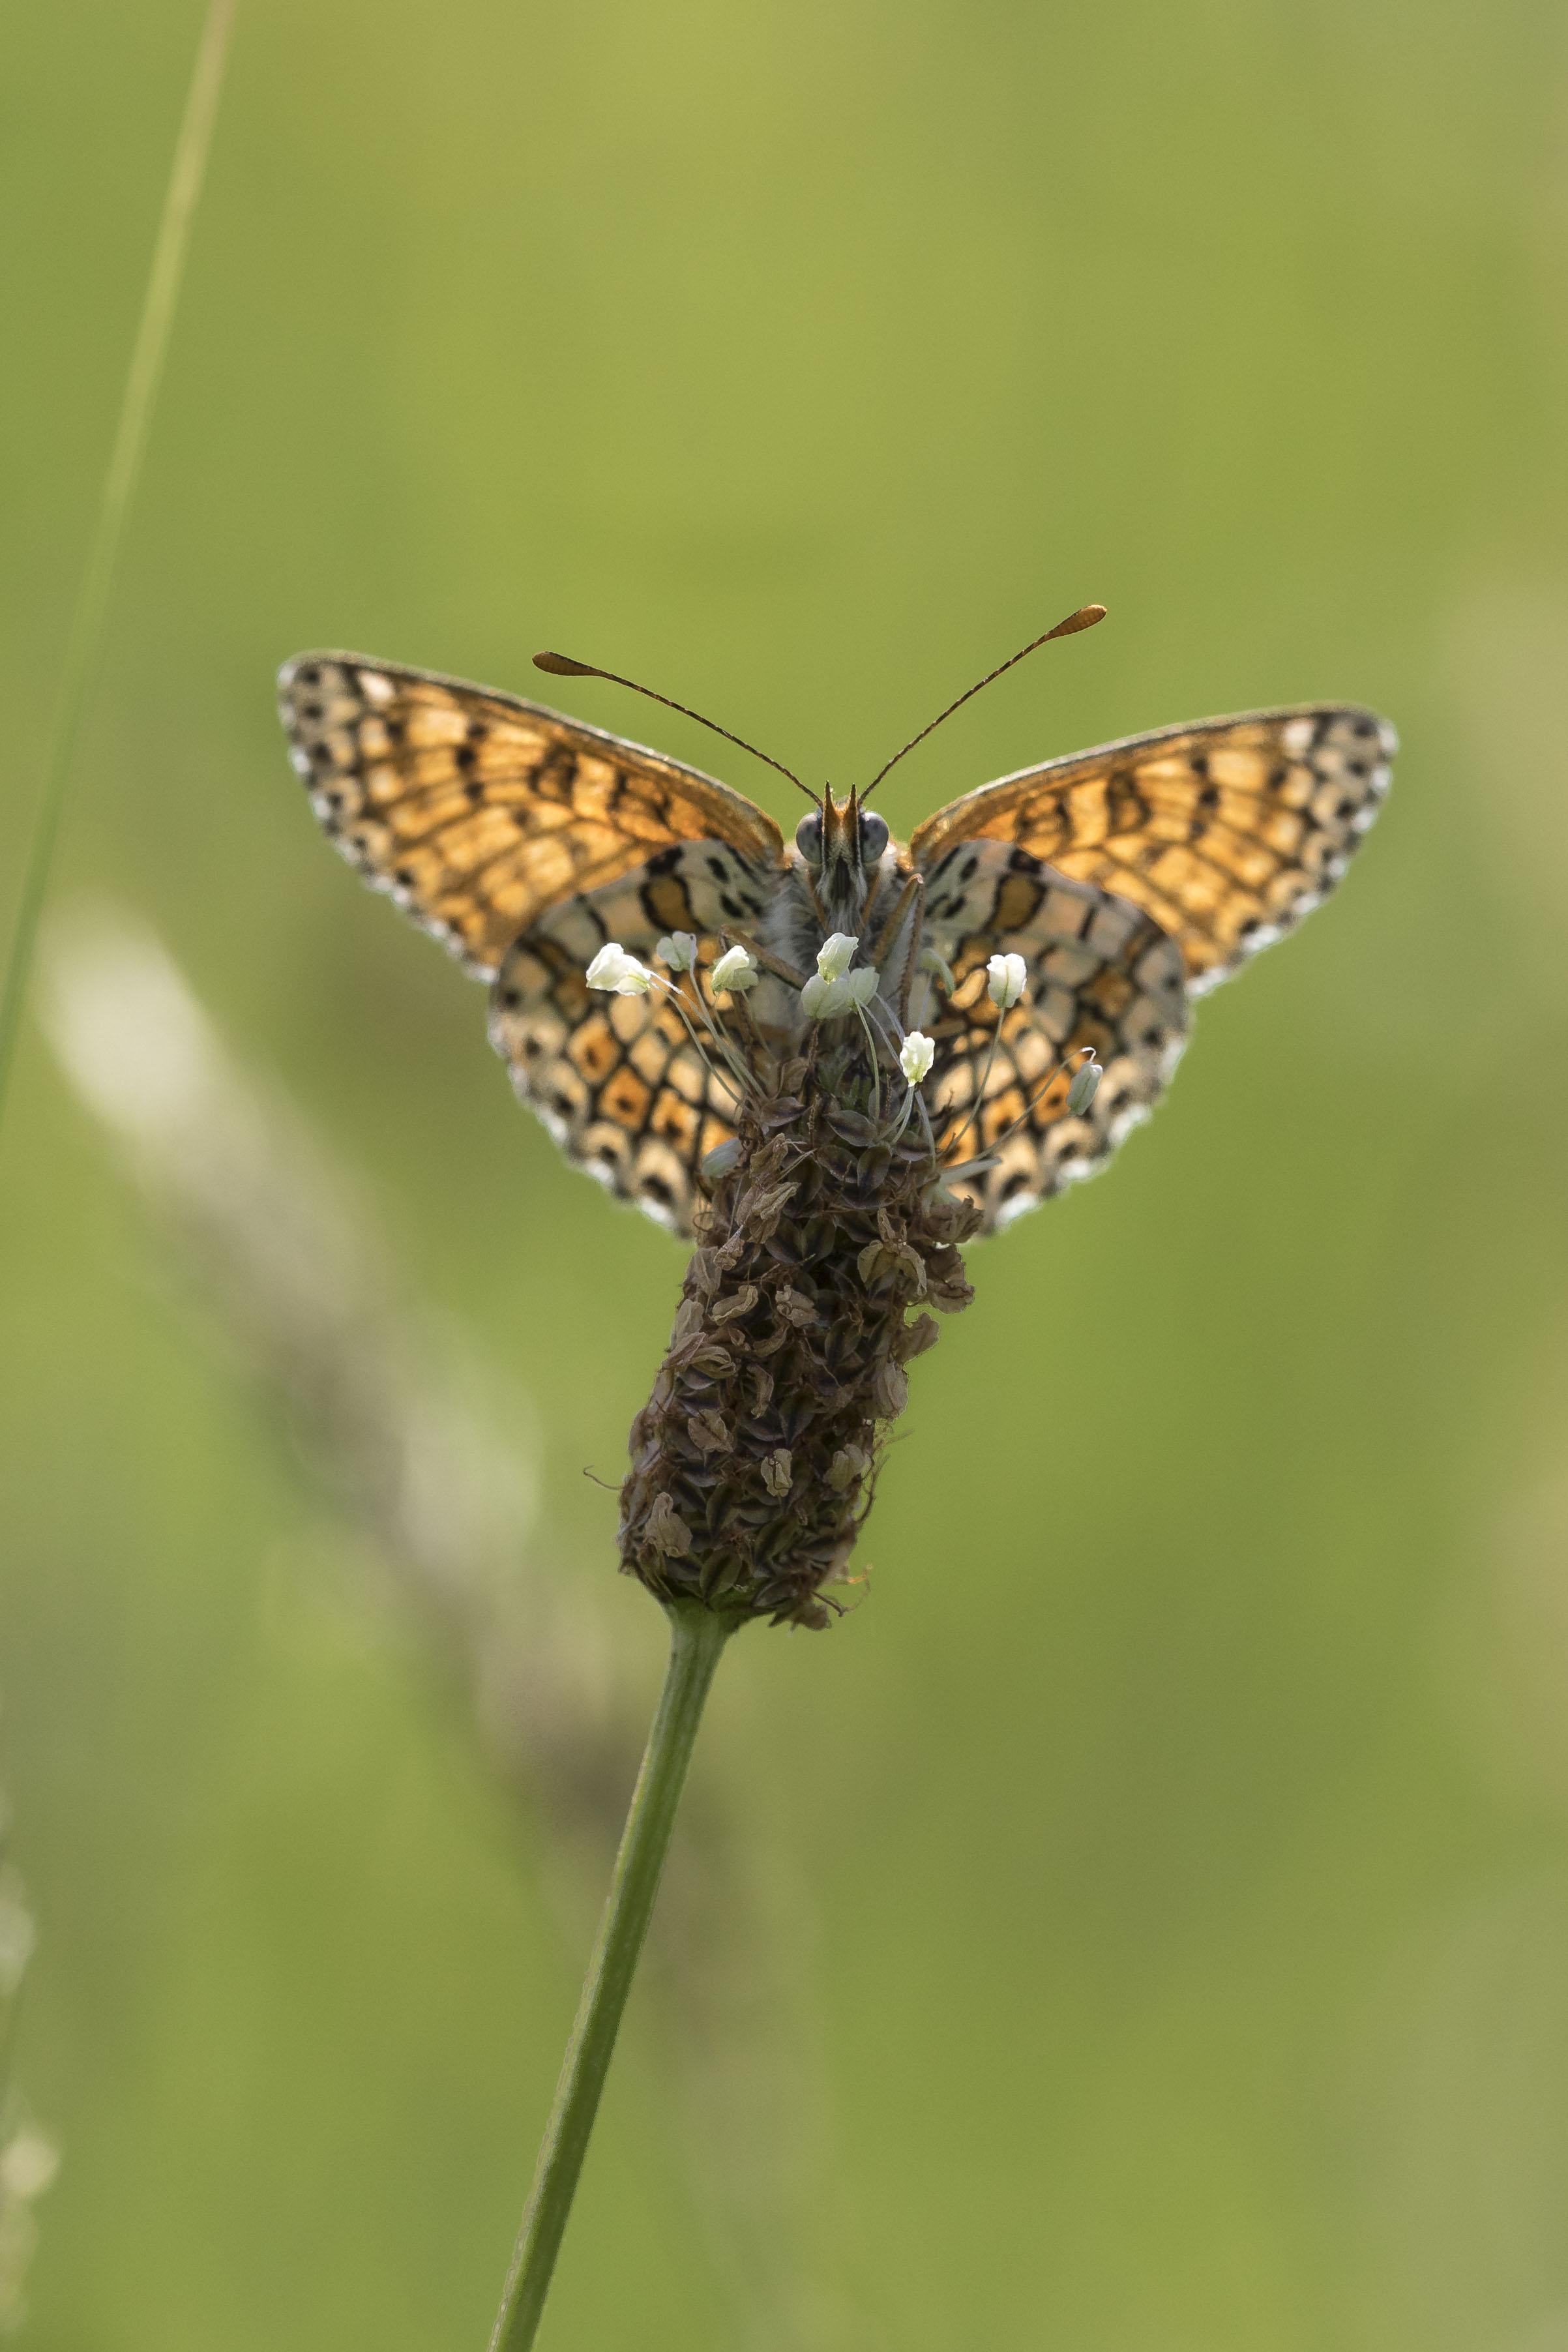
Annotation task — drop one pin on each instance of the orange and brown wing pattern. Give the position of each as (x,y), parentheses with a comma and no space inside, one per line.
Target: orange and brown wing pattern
(1225,831)
(478,812)
(617,1080)
(1100,974)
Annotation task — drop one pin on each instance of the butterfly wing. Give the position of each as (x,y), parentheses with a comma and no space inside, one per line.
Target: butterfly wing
(478,810)
(618,1080)
(1227,832)
(1130,878)
(1100,974)
(524,840)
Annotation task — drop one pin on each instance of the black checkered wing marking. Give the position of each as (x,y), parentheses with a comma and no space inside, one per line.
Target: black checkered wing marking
(478,812)
(617,1079)
(1227,832)
(1101,974)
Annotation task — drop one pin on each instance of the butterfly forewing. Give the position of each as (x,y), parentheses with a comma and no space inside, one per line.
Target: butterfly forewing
(1226,832)
(478,810)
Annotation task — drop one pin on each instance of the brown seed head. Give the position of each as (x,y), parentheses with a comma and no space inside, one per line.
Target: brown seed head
(755,1460)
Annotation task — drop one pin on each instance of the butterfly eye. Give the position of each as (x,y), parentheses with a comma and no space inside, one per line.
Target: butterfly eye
(808,839)
(874,838)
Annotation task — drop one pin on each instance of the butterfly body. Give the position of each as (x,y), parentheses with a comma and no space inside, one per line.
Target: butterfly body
(843,876)
(1130,878)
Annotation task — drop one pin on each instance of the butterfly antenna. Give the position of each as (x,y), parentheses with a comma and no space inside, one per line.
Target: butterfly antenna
(1084,618)
(562,666)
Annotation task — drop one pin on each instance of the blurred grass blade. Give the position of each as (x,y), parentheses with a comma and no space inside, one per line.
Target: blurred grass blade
(28,2157)
(85,649)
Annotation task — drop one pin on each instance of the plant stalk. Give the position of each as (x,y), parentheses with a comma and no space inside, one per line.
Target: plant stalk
(84,649)
(697,1636)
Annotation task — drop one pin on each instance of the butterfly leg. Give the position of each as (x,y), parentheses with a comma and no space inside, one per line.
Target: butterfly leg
(779,966)
(886,939)
(904,924)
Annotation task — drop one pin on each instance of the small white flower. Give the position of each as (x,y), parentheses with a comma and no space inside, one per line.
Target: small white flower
(1084,1087)
(735,971)
(919,1052)
(679,952)
(618,973)
(1006,983)
(835,955)
(822,999)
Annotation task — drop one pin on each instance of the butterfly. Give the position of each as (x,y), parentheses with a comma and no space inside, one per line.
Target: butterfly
(1130,878)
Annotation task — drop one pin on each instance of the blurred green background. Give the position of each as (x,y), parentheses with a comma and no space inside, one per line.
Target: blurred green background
(1175,1846)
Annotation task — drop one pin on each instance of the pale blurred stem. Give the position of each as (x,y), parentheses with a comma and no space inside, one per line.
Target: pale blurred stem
(84,648)
(697,1637)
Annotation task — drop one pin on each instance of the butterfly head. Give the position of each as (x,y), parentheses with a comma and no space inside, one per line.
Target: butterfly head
(841,844)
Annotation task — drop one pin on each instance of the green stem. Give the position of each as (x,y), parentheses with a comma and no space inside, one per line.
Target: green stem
(696,1638)
(85,648)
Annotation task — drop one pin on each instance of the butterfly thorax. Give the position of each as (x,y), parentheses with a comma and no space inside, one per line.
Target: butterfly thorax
(842,875)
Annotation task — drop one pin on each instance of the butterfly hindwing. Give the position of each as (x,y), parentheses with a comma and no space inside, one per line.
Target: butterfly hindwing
(617,1079)
(1101,974)
(1225,831)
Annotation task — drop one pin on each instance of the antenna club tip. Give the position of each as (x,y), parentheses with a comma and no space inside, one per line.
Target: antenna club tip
(1084,618)
(562,666)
